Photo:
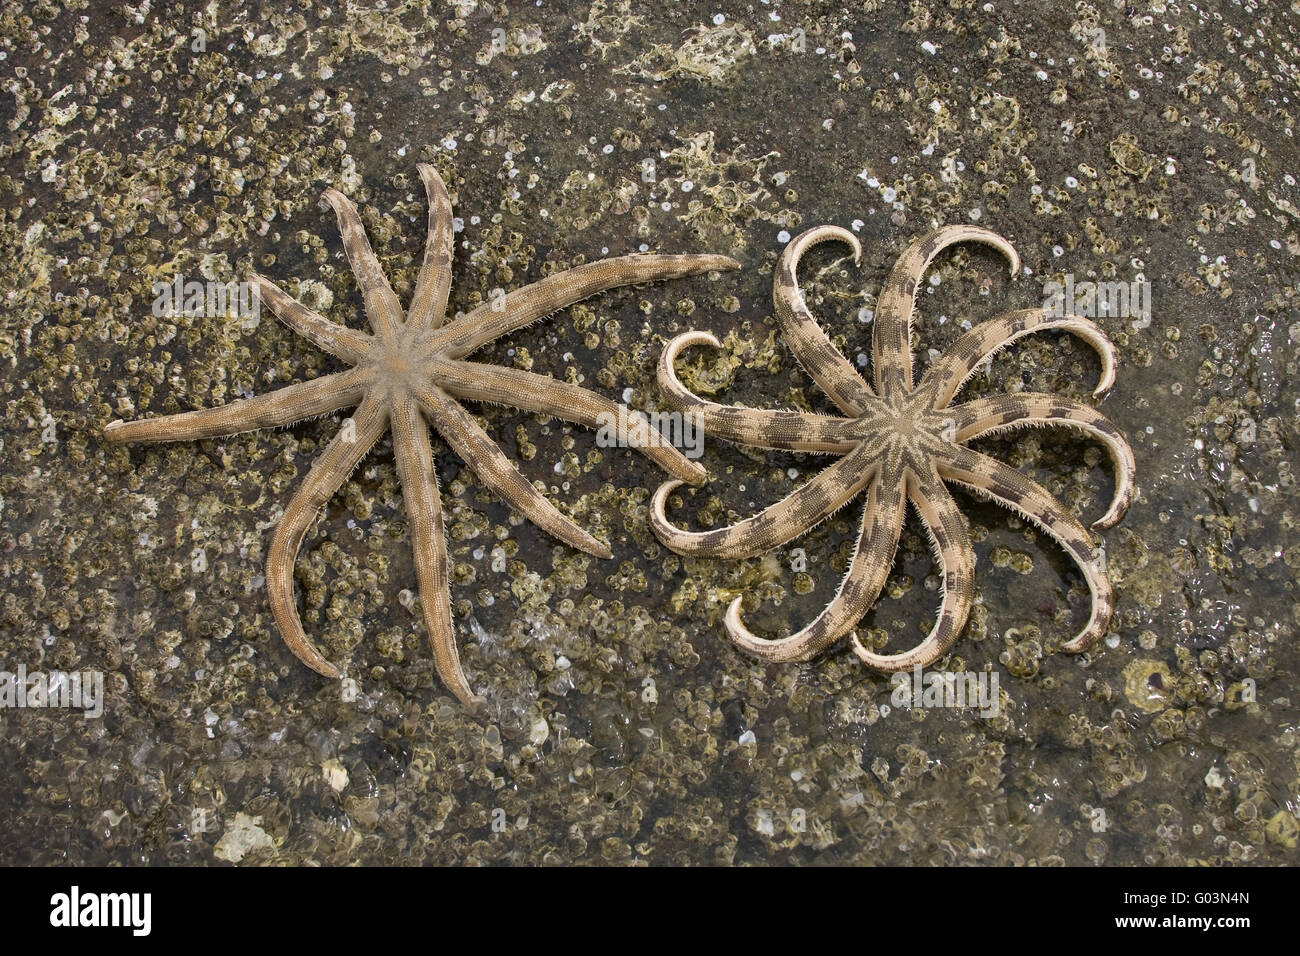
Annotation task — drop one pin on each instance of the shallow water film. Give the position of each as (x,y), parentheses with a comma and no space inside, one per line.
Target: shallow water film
(1141,157)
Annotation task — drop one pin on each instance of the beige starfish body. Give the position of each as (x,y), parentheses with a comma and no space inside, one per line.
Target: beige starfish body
(407,375)
(898,442)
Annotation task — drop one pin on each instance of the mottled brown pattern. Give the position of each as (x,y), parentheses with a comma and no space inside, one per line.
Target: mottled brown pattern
(407,376)
(899,443)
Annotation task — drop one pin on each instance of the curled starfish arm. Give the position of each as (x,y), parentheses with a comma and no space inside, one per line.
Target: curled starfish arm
(429,543)
(882,523)
(524,306)
(891,347)
(990,478)
(571,403)
(326,476)
(832,372)
(951,544)
(793,431)
(997,413)
(348,344)
(429,303)
(284,406)
(802,509)
(494,469)
(382,307)
(953,369)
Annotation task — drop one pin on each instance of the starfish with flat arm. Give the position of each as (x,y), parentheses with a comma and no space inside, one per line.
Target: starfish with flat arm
(898,442)
(408,375)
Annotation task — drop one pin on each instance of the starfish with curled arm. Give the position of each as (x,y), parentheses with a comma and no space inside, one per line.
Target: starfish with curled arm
(899,442)
(408,375)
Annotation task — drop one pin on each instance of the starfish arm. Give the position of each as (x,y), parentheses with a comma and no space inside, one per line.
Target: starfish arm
(832,372)
(802,509)
(891,338)
(531,392)
(524,306)
(951,370)
(429,542)
(792,431)
(495,470)
(999,413)
(284,406)
(330,469)
(382,308)
(429,304)
(348,344)
(951,543)
(882,523)
(990,478)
